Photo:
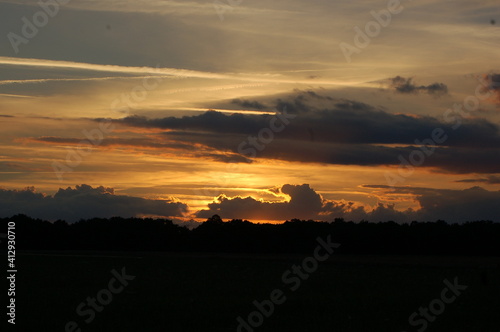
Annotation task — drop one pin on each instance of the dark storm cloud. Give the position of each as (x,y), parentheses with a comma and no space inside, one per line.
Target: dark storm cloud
(345,121)
(451,205)
(445,158)
(253,104)
(83,202)
(406,85)
(491,179)
(451,160)
(475,203)
(337,131)
(493,85)
(210,121)
(226,158)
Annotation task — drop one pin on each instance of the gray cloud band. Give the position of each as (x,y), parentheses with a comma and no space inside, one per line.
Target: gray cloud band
(30,28)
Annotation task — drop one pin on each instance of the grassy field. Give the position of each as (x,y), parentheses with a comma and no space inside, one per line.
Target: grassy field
(207,292)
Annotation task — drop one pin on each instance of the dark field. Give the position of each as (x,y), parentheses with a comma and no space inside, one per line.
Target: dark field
(207,292)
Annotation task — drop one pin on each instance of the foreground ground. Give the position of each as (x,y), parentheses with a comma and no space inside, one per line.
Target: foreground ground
(207,292)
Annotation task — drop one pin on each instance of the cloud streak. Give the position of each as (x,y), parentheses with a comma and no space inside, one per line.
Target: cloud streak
(491,179)
(406,85)
(41,63)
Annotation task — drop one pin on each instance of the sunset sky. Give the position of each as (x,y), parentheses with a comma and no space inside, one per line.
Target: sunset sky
(145,108)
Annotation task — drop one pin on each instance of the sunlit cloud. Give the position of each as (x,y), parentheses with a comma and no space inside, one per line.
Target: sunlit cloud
(106,68)
(221,81)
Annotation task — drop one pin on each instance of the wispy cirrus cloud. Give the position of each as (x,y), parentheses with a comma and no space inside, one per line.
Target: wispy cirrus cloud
(41,63)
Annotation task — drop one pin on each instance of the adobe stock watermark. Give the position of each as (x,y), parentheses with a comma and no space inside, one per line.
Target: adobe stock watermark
(30,28)
(221,8)
(88,309)
(94,137)
(253,144)
(250,147)
(426,148)
(292,279)
(422,318)
(372,29)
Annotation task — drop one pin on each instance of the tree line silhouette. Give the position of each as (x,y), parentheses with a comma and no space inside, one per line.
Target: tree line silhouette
(242,236)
